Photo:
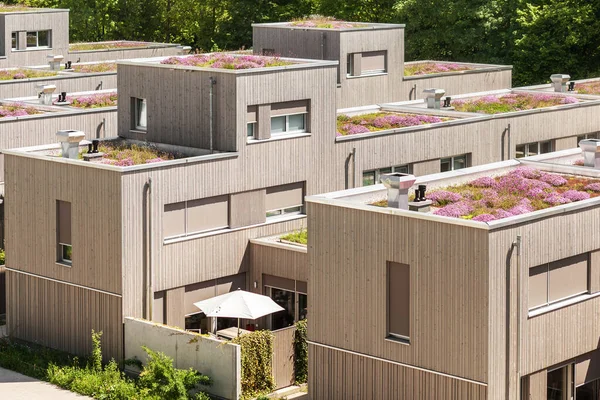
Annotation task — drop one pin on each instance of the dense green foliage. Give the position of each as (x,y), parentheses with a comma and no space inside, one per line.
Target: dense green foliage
(257,365)
(159,379)
(300,353)
(300,236)
(538,37)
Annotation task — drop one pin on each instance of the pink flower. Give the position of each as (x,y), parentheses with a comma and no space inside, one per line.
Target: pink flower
(556,199)
(442,197)
(484,218)
(455,210)
(575,195)
(502,214)
(484,181)
(594,187)
(570,100)
(553,179)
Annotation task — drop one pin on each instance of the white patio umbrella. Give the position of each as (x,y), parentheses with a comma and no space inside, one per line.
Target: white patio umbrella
(239,304)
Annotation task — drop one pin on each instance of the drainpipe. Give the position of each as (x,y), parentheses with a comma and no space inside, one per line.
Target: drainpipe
(508,135)
(354,167)
(149,290)
(210,117)
(415,91)
(517,244)
(322,45)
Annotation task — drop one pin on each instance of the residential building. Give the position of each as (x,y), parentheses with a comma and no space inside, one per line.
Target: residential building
(436,306)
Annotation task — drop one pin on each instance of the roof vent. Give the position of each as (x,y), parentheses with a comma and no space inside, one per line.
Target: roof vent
(44,93)
(397,185)
(69,143)
(433,97)
(54,61)
(183,50)
(559,81)
(591,152)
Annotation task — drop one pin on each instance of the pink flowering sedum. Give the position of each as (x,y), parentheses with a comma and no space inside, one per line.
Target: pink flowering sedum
(227,61)
(496,104)
(373,122)
(22,73)
(442,197)
(17,110)
(317,21)
(575,195)
(592,87)
(121,44)
(95,100)
(594,187)
(484,218)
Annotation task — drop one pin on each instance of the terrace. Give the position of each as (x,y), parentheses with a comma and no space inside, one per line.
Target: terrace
(494,194)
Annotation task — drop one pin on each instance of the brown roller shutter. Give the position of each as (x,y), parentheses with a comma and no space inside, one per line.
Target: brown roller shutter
(568,277)
(279,282)
(174,219)
(373,61)
(398,294)
(207,214)
(538,286)
(64,222)
(251,117)
(301,287)
(289,107)
(284,196)
(158,308)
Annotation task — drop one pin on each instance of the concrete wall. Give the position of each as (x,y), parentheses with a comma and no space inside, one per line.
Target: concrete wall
(220,361)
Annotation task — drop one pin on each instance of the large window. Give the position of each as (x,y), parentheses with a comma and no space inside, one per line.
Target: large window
(398,301)
(40,39)
(284,200)
(558,280)
(289,117)
(289,294)
(367,63)
(140,114)
(533,149)
(372,177)
(195,216)
(63,232)
(454,163)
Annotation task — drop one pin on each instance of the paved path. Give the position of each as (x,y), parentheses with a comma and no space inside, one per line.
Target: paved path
(14,386)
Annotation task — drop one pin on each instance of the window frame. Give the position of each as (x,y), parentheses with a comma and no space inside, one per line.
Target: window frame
(403,169)
(399,337)
(137,102)
(287,124)
(527,146)
(36,34)
(452,161)
(15,40)
(187,233)
(63,248)
(350,65)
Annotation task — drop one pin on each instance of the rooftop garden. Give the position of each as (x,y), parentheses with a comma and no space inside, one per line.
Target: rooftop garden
(427,68)
(125,155)
(492,104)
(226,61)
(300,237)
(588,87)
(21,73)
(521,191)
(91,68)
(17,110)
(123,44)
(379,121)
(96,100)
(318,21)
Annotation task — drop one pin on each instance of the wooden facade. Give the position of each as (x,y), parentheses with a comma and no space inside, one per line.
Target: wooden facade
(65,82)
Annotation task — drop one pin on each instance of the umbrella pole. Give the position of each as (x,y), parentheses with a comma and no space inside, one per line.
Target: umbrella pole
(238,327)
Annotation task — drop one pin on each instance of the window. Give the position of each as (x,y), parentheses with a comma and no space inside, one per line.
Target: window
(140,116)
(558,280)
(15,41)
(63,232)
(284,200)
(398,301)
(560,383)
(289,117)
(289,294)
(366,63)
(372,177)
(533,149)
(251,119)
(454,163)
(195,216)
(38,39)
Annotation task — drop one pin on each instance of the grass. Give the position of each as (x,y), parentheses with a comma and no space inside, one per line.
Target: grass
(319,21)
(300,237)
(22,73)
(14,7)
(106,45)
(433,68)
(588,87)
(31,359)
(124,155)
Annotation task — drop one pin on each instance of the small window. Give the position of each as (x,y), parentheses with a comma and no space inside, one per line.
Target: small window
(372,177)
(398,301)
(140,114)
(63,232)
(278,125)
(289,117)
(284,200)
(251,121)
(454,163)
(43,39)
(533,149)
(250,127)
(366,63)
(15,41)
(39,39)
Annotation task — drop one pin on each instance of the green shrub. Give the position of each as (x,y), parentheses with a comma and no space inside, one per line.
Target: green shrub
(30,359)
(300,353)
(257,367)
(2,256)
(300,236)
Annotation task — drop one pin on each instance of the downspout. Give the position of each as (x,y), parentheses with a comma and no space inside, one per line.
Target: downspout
(517,244)
(354,167)
(508,134)
(211,113)
(415,91)
(322,45)
(149,290)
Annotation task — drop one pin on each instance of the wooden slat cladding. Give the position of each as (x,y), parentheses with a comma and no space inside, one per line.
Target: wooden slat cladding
(277,261)
(283,357)
(62,316)
(556,336)
(335,375)
(347,288)
(69,84)
(32,189)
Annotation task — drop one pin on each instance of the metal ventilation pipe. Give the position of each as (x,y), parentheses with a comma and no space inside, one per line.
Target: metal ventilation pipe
(433,97)
(398,185)
(559,81)
(213,81)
